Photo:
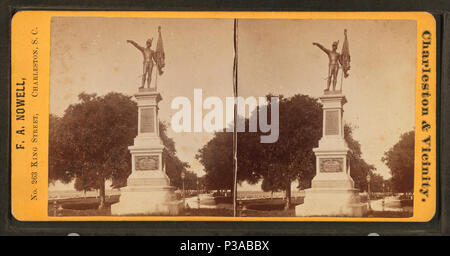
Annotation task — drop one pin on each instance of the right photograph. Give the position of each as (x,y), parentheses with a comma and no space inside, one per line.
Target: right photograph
(326,117)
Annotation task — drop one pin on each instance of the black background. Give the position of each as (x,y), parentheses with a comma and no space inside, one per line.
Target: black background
(438,225)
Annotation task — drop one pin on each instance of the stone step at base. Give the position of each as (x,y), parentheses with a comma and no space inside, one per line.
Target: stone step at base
(147,201)
(331,202)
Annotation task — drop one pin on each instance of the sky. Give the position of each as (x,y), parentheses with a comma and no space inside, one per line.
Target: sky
(91,55)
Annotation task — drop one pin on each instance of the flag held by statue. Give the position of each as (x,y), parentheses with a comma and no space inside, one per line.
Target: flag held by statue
(159,53)
(345,56)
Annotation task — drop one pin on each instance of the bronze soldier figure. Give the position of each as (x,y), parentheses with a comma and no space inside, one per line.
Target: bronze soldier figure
(149,57)
(333,66)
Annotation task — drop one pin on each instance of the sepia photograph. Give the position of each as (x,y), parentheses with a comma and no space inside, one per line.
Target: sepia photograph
(129,98)
(232,117)
(346,102)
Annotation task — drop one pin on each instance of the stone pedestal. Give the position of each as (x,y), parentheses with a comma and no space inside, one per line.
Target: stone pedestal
(332,191)
(148,190)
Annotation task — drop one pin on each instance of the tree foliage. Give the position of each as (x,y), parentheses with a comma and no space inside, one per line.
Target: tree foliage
(359,169)
(217,158)
(89,144)
(278,164)
(190,181)
(291,157)
(173,165)
(400,160)
(377,183)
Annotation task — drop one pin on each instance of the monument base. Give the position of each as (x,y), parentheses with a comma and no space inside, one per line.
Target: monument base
(150,200)
(147,193)
(334,202)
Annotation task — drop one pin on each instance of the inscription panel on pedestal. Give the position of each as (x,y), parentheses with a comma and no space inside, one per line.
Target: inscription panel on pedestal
(331,164)
(332,122)
(146,163)
(147,120)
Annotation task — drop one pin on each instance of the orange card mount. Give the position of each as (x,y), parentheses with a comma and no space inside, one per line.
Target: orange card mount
(223,116)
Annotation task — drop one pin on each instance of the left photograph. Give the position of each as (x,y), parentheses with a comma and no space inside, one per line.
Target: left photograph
(134,103)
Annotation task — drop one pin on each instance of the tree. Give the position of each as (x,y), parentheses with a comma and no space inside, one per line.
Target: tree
(57,168)
(174,166)
(190,180)
(400,160)
(359,169)
(217,158)
(291,157)
(84,182)
(377,183)
(278,164)
(271,183)
(92,140)
(89,144)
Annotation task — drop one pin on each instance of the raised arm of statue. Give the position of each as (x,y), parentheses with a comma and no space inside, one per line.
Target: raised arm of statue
(322,48)
(140,48)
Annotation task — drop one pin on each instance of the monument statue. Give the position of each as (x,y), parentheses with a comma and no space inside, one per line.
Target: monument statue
(336,60)
(148,190)
(333,191)
(151,58)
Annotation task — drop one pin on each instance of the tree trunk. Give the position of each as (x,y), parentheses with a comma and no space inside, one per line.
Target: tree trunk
(288,195)
(102,194)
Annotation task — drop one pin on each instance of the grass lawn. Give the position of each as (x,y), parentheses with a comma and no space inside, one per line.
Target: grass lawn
(269,207)
(88,207)
(207,212)
(248,208)
(80,206)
